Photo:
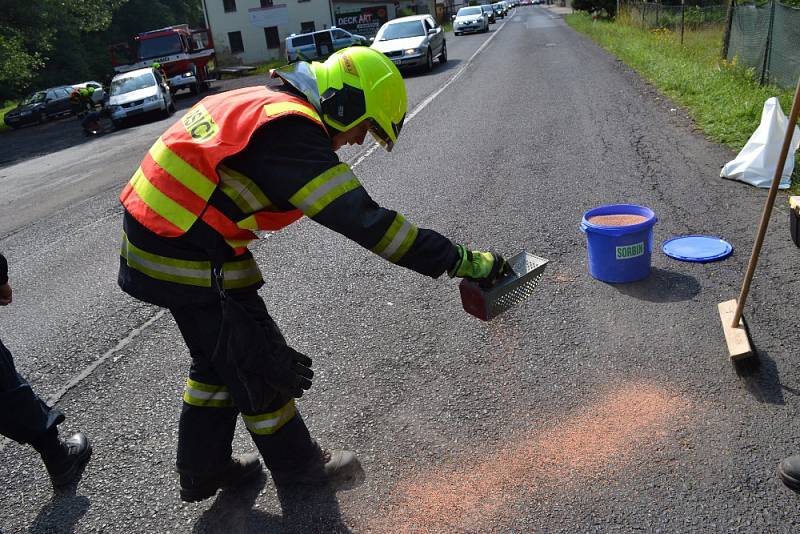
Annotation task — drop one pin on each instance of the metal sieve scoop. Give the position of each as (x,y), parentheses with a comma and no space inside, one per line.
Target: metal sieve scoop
(488,303)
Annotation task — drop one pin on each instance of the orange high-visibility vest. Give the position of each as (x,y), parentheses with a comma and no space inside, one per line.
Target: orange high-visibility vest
(170,190)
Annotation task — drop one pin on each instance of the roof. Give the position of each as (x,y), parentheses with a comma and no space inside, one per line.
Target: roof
(410,17)
(132,73)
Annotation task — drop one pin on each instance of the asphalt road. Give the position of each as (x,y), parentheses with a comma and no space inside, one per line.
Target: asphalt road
(591,407)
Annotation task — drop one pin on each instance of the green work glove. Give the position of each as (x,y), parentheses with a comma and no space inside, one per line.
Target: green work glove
(484,267)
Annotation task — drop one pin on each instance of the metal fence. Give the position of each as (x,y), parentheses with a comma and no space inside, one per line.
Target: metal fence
(677,18)
(766,37)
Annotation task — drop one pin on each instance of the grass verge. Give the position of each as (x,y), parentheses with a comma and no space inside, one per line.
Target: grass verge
(7,106)
(723,98)
(264,68)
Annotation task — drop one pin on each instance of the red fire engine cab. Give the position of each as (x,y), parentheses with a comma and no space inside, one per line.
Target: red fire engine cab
(186,56)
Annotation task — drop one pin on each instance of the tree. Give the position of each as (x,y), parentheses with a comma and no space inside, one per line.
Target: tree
(610,6)
(57,42)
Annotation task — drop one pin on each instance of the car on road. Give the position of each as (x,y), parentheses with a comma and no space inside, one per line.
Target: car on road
(40,106)
(470,19)
(320,44)
(499,11)
(490,13)
(137,92)
(413,41)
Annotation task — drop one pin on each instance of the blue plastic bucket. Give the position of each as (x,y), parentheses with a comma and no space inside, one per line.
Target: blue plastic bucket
(619,253)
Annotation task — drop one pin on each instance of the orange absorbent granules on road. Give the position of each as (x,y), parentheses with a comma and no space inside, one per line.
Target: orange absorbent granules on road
(475,494)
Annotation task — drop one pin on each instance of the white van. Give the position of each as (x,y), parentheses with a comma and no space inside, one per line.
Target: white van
(320,44)
(139,91)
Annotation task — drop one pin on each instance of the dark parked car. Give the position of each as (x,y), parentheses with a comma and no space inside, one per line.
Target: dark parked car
(40,107)
(499,10)
(487,8)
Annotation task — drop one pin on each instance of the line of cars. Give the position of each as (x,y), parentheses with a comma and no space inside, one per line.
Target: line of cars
(131,93)
(410,42)
(472,19)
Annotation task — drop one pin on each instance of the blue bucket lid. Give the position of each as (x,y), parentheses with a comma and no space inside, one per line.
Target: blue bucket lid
(697,248)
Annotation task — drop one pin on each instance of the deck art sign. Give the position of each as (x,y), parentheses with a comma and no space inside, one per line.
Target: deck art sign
(366,21)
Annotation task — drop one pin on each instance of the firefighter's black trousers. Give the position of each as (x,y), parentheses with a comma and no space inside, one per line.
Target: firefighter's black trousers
(24,417)
(205,433)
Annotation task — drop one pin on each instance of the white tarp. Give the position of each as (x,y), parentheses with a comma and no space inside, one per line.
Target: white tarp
(756,162)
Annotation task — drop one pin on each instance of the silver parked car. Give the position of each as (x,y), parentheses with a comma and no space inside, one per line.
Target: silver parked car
(412,41)
(470,19)
(139,91)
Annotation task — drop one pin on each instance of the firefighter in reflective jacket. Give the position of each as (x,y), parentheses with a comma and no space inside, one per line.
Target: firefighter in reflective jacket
(259,159)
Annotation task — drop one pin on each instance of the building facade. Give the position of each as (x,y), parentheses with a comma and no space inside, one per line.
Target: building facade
(255,31)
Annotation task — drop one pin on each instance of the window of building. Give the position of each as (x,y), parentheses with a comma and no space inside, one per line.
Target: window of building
(229,5)
(235,40)
(271,33)
(266,3)
(307,27)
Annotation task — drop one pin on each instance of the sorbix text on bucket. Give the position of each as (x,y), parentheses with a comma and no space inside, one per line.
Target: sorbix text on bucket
(619,241)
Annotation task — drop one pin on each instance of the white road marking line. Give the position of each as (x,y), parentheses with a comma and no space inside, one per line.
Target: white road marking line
(422,105)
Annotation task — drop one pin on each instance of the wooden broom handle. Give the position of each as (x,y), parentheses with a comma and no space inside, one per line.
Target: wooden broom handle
(773,192)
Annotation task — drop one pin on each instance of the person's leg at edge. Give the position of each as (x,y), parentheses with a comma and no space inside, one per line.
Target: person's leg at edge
(26,419)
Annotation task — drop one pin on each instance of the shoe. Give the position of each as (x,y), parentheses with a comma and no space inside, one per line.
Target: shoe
(199,487)
(789,471)
(63,466)
(326,467)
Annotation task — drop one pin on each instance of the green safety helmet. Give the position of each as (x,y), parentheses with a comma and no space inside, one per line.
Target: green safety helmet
(156,65)
(357,84)
(90,89)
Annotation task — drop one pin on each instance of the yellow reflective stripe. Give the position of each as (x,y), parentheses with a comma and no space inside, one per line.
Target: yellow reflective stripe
(269,423)
(161,203)
(238,243)
(248,223)
(315,196)
(240,273)
(206,395)
(193,273)
(284,107)
(397,239)
(193,179)
(243,191)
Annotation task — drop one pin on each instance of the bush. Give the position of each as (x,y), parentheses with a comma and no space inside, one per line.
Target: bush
(609,6)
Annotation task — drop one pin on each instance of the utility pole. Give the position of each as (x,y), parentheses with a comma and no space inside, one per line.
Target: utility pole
(726,39)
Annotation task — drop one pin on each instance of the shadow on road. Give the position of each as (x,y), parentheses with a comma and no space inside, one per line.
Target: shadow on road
(61,514)
(437,68)
(40,140)
(304,510)
(759,376)
(661,286)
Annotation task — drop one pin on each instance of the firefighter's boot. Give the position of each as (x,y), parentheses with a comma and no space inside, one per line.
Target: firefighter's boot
(789,471)
(334,467)
(240,469)
(63,458)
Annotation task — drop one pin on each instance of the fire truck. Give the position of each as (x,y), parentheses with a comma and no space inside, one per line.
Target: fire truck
(186,56)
